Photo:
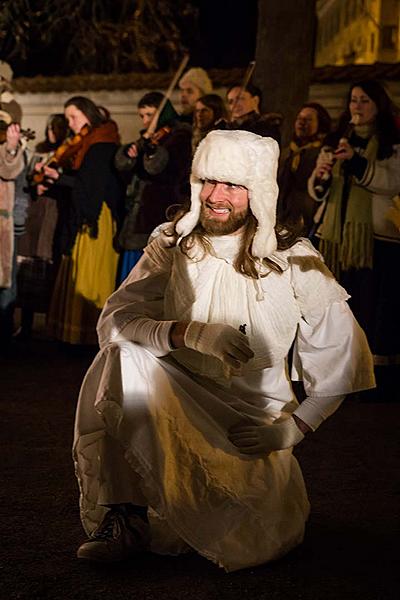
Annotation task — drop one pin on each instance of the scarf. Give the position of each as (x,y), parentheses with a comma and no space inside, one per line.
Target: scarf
(106,132)
(296,150)
(349,244)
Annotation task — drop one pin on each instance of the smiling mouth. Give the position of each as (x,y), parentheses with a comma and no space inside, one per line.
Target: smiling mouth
(218,210)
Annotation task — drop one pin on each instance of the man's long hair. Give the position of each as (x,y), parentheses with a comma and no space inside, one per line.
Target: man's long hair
(245,263)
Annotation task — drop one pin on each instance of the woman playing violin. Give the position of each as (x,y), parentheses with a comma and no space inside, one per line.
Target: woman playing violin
(87,272)
(157,168)
(38,248)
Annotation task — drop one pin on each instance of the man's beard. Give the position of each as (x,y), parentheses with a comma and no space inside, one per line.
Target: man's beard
(215,227)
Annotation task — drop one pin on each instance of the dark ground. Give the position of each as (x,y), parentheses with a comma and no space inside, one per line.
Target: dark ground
(350,464)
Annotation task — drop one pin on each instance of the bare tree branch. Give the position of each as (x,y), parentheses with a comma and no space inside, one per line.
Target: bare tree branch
(95,36)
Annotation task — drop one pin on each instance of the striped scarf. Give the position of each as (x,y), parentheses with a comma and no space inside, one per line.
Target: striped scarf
(348,244)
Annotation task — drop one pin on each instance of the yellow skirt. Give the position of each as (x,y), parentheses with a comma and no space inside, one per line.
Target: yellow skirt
(84,281)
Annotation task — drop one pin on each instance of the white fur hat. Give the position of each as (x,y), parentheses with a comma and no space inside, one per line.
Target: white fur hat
(242,158)
(198,77)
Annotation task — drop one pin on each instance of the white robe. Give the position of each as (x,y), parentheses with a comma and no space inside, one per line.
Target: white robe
(151,424)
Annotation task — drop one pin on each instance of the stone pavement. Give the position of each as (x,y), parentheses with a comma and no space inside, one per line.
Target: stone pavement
(350,466)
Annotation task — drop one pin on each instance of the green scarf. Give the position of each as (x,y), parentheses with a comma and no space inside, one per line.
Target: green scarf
(350,246)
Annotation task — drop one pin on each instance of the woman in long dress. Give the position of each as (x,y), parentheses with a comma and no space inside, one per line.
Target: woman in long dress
(88,267)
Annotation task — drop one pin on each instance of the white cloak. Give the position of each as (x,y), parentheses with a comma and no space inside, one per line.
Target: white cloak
(151,424)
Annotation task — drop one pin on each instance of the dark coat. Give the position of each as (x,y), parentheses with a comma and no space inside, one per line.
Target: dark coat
(266,124)
(159,178)
(80,194)
(294,202)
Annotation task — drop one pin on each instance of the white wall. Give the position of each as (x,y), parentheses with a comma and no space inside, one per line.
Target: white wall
(123,105)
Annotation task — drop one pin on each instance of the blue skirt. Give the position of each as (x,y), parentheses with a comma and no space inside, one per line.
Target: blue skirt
(128,261)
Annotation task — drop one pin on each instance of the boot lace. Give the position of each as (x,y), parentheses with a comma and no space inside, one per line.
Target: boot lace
(110,527)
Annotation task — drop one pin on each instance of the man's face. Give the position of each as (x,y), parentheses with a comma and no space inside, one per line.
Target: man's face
(224,207)
(203,116)
(146,113)
(189,93)
(241,103)
(306,124)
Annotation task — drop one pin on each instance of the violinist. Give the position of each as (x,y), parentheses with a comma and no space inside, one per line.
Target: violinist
(357,238)
(156,170)
(244,105)
(56,132)
(38,246)
(11,165)
(87,272)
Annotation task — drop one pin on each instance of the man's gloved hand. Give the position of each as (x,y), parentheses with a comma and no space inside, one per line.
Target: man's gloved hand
(222,341)
(263,439)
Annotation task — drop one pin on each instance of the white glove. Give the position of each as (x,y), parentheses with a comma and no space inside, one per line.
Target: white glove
(222,341)
(263,439)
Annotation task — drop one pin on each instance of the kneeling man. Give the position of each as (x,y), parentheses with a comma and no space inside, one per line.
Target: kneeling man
(187,419)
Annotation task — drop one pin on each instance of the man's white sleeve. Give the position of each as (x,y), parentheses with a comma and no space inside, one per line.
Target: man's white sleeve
(135,311)
(332,358)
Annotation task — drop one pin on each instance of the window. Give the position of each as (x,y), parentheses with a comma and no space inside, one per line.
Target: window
(388,37)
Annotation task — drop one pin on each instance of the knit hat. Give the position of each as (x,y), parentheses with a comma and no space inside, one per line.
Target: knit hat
(241,158)
(10,109)
(198,77)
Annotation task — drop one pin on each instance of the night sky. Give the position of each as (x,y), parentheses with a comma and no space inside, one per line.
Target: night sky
(228,34)
(225,38)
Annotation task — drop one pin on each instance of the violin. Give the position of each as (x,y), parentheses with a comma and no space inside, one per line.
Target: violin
(62,156)
(160,134)
(27,134)
(151,137)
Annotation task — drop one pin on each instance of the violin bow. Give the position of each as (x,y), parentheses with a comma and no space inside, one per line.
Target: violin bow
(153,123)
(247,76)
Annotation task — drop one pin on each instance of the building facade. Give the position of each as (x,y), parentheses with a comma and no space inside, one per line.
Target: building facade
(357,32)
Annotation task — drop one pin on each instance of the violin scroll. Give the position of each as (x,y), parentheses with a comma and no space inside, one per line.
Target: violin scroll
(27,134)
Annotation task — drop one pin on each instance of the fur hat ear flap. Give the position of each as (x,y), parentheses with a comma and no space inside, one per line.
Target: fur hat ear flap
(265,243)
(188,222)
(261,248)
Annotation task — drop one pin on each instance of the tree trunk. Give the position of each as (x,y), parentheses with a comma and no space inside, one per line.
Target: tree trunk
(284,56)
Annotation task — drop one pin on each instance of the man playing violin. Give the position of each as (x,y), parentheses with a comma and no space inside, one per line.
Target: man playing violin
(244,105)
(156,167)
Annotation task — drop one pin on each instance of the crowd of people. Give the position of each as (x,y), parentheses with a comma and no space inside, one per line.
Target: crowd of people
(82,200)
(205,261)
